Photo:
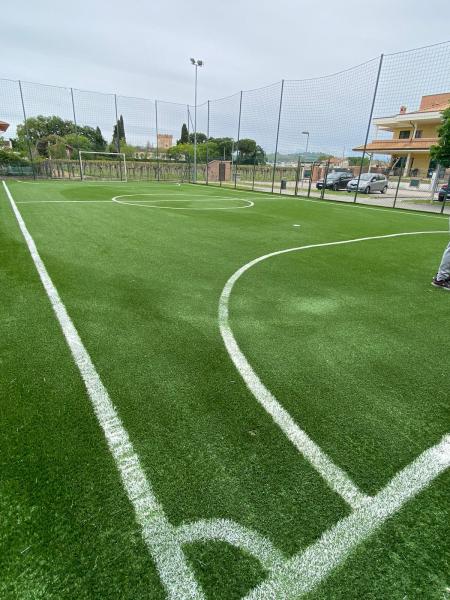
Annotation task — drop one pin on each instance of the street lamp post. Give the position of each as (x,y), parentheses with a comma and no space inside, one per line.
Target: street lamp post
(196,63)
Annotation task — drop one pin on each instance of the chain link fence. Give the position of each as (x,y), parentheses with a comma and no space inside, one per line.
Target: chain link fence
(361,135)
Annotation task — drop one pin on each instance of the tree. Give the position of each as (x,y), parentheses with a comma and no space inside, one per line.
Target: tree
(224,147)
(40,129)
(355,161)
(11,158)
(184,138)
(78,142)
(250,152)
(95,137)
(201,138)
(118,138)
(181,152)
(441,151)
(122,130)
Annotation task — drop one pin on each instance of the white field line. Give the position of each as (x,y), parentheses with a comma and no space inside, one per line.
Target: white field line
(304,571)
(157,532)
(340,204)
(61,201)
(289,577)
(228,531)
(336,478)
(202,197)
(329,203)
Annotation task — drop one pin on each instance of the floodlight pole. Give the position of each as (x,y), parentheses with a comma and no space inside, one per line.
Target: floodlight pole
(197,63)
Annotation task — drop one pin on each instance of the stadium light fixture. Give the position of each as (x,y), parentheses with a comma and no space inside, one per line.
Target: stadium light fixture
(196,63)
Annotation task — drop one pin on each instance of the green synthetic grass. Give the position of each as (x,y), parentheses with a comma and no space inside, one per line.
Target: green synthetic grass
(351,339)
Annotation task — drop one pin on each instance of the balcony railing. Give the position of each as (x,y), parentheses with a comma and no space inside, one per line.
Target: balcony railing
(399,145)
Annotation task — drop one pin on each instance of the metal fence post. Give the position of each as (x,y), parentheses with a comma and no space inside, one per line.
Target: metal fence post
(254,170)
(27,135)
(118,135)
(444,201)
(117,124)
(322,191)
(297,174)
(310,178)
(157,140)
(278,134)
(207,147)
(76,131)
(397,188)
(238,139)
(369,124)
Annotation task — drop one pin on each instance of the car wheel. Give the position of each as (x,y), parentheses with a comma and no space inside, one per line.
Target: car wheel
(367,190)
(384,190)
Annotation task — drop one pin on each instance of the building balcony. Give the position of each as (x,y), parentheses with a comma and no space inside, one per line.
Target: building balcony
(397,145)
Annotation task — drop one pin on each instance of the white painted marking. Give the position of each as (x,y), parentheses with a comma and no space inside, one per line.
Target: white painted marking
(336,478)
(201,198)
(338,204)
(158,533)
(304,571)
(296,225)
(290,578)
(61,201)
(228,531)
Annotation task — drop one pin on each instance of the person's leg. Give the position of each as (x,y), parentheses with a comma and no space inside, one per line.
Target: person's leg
(444,267)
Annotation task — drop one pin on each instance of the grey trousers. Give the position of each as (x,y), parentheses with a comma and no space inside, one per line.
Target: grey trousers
(444,267)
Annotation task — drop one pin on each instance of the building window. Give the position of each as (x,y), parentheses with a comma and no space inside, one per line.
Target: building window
(404,135)
(418,133)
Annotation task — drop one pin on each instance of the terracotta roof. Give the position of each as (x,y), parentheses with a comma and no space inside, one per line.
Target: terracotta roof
(3,125)
(434,102)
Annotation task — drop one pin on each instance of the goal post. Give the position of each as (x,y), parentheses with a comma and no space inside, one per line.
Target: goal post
(102,166)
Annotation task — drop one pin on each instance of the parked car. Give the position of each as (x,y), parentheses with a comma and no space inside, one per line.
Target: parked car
(444,193)
(335,181)
(369,182)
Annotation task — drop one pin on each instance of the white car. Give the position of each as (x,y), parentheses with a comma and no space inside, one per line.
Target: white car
(369,182)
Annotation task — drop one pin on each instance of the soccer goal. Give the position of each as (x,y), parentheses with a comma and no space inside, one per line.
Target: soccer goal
(102,166)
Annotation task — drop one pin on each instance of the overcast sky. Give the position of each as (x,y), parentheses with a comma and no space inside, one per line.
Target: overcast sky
(142,48)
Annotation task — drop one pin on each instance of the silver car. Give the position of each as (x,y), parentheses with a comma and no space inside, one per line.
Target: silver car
(369,182)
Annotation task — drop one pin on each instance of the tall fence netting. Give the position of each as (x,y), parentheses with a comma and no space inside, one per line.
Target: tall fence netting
(370,126)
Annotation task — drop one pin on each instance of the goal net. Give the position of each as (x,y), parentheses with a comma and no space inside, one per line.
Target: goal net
(103,166)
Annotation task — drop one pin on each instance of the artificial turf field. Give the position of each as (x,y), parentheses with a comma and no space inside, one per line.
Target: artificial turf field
(266,430)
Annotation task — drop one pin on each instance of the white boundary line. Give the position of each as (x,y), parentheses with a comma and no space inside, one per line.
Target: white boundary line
(62,201)
(272,197)
(158,533)
(203,197)
(336,478)
(290,578)
(305,571)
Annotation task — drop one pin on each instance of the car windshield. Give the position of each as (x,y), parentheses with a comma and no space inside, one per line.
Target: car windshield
(334,175)
(365,176)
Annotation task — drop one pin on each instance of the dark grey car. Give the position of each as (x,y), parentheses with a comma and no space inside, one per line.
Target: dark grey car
(369,182)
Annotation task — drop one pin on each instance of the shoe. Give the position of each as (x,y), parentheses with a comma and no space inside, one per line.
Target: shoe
(441,283)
